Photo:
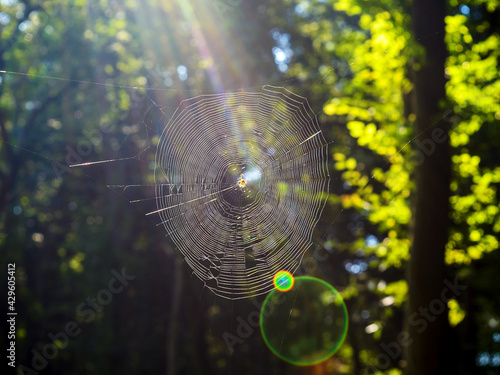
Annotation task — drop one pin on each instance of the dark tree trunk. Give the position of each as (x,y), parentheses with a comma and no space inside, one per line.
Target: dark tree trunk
(428,313)
(172,332)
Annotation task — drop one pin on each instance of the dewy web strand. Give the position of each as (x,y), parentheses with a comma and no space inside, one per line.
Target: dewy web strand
(240,183)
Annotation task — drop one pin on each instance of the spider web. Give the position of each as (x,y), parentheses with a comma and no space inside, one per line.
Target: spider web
(235,236)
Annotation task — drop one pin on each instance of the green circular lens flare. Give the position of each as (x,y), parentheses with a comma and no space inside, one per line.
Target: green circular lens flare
(305,325)
(283,281)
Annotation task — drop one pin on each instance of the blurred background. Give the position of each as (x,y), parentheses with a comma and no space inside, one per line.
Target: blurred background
(408,93)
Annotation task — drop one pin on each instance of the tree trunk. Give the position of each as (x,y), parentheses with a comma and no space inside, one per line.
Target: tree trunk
(428,313)
(174,315)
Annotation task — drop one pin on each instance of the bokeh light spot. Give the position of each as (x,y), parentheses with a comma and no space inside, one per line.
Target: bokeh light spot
(306,325)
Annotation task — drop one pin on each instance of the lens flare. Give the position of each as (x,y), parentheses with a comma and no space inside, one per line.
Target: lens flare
(306,325)
(283,281)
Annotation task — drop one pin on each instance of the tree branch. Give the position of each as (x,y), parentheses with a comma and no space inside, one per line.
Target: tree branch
(14,160)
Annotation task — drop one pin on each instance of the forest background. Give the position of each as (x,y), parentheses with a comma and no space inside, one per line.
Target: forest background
(409,95)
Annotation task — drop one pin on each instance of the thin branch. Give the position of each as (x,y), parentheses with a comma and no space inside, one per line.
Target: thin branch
(15,161)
